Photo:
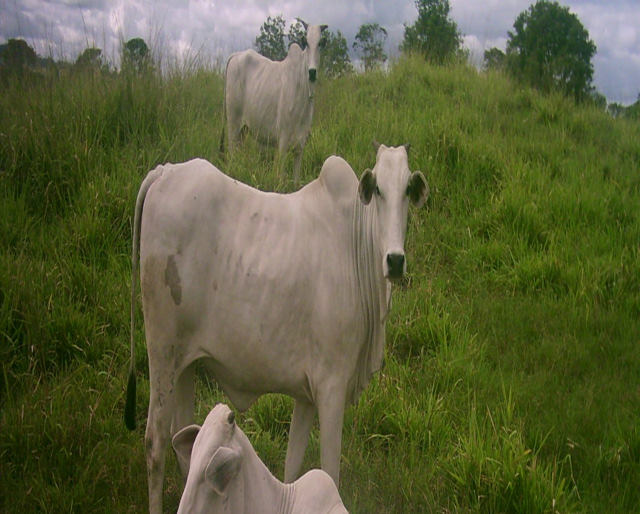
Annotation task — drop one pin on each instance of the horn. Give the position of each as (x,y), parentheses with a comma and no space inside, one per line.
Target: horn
(304,23)
(407,147)
(323,28)
(376,145)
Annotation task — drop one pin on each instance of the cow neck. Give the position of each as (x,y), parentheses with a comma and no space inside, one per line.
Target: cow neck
(374,294)
(267,494)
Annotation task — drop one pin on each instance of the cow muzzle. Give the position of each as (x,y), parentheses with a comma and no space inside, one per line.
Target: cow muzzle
(395,266)
(313,74)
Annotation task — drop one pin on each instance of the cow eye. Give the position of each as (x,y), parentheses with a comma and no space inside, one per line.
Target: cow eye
(378,191)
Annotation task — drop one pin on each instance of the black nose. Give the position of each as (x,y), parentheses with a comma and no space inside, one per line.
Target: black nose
(312,74)
(395,262)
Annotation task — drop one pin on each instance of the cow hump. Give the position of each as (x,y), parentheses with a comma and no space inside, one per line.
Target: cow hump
(339,179)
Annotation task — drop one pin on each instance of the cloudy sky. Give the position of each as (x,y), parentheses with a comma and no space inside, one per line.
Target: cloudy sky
(185,29)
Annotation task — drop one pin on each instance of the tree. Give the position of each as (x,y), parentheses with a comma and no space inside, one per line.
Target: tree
(550,49)
(136,56)
(270,41)
(433,34)
(16,56)
(369,45)
(494,59)
(90,58)
(334,60)
(633,111)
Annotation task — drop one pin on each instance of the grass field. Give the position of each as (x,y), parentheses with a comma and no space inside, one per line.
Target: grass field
(512,377)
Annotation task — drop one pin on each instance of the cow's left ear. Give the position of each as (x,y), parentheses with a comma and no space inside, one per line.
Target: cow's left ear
(367,186)
(222,468)
(418,189)
(182,444)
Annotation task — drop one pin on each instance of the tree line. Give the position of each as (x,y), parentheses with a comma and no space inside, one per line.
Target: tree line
(17,58)
(548,49)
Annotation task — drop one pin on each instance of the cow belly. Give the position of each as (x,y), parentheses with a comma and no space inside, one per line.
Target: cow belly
(257,333)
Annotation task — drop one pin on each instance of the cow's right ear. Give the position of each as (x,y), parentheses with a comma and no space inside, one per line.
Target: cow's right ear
(367,186)
(223,466)
(182,444)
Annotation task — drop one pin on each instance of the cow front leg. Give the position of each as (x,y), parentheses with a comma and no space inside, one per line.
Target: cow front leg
(331,413)
(303,415)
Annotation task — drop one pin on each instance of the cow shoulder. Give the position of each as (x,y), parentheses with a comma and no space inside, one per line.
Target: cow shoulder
(339,180)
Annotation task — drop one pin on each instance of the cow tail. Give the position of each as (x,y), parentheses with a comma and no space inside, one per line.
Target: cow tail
(224,126)
(224,110)
(130,406)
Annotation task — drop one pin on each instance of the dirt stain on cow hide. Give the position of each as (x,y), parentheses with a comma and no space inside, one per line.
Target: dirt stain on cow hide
(172,280)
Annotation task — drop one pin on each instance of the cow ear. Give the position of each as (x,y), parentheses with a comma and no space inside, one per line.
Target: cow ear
(182,444)
(222,468)
(376,146)
(418,189)
(367,186)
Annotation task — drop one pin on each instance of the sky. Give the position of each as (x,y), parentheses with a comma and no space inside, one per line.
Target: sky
(212,29)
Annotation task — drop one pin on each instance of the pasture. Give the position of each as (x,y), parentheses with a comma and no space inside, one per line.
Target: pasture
(512,366)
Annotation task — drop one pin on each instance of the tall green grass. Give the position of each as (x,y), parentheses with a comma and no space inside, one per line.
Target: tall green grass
(511,380)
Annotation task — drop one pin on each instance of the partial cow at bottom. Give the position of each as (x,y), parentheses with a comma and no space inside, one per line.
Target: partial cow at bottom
(226,475)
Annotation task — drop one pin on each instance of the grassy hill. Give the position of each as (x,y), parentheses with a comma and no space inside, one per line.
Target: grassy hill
(512,377)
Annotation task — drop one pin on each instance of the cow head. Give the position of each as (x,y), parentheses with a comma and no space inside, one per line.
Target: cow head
(213,456)
(391,187)
(314,43)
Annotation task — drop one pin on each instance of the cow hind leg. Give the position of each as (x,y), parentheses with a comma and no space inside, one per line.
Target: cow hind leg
(184,408)
(157,437)
(303,415)
(297,161)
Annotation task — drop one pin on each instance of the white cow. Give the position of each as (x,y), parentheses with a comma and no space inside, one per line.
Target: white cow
(284,293)
(226,475)
(274,100)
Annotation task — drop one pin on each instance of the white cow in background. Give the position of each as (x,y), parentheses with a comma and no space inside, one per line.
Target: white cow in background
(273,293)
(226,475)
(274,100)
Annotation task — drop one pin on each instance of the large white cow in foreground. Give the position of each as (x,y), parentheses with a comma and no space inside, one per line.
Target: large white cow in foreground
(274,100)
(283,293)
(226,475)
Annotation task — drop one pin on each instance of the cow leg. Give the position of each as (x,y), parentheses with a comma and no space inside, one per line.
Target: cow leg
(281,160)
(157,435)
(303,415)
(184,407)
(297,161)
(234,127)
(331,414)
